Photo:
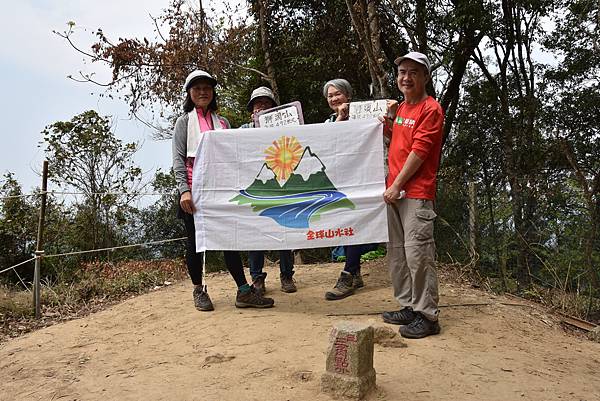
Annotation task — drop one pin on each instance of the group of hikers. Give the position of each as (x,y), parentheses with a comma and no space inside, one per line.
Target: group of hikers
(414,128)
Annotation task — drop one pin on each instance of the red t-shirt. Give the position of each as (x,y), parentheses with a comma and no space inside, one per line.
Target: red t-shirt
(417,128)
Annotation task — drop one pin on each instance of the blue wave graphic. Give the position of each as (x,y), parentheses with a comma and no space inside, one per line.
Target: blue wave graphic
(297,214)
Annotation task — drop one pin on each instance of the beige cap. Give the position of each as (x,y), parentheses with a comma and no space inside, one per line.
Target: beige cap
(261,91)
(415,56)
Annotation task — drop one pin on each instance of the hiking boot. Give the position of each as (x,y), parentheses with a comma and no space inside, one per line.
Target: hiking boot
(358,282)
(420,327)
(287,284)
(252,299)
(403,316)
(259,285)
(202,301)
(343,288)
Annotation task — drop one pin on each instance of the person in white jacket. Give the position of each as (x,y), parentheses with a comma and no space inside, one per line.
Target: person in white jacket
(200,115)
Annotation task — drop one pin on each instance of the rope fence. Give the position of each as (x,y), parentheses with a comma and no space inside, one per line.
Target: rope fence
(22,281)
(92,251)
(17,265)
(43,193)
(39,193)
(115,248)
(32,194)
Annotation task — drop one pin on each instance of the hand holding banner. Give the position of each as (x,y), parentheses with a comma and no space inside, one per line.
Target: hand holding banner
(292,187)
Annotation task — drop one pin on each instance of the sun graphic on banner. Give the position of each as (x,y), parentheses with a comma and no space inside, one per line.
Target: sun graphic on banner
(283,156)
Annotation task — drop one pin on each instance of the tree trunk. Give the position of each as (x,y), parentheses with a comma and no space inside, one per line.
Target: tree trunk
(509,133)
(495,239)
(592,233)
(365,21)
(263,16)
(374,31)
(473,253)
(201,37)
(516,202)
(421,25)
(421,34)
(467,43)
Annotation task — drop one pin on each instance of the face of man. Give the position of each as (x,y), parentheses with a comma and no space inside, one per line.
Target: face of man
(412,79)
(201,93)
(261,103)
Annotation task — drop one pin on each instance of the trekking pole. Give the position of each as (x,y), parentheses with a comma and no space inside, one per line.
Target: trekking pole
(204,286)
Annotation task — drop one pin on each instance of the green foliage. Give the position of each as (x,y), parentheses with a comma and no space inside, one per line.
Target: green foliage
(158,221)
(378,253)
(18,218)
(313,42)
(314,255)
(372,255)
(527,134)
(571,115)
(85,155)
(216,262)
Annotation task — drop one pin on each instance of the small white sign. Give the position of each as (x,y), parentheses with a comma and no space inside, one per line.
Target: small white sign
(368,109)
(284,115)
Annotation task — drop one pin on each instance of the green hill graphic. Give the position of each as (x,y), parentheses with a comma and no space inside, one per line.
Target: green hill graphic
(297,201)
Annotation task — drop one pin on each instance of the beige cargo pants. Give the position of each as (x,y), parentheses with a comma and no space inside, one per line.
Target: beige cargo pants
(411,254)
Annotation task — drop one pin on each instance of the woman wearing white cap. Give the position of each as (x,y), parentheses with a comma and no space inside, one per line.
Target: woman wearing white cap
(200,115)
(262,98)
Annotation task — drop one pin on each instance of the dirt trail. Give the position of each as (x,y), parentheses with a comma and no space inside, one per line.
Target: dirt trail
(158,347)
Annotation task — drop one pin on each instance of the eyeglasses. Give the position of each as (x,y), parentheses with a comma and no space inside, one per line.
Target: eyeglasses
(410,73)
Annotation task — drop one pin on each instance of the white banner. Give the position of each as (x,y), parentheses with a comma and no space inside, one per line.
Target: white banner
(306,186)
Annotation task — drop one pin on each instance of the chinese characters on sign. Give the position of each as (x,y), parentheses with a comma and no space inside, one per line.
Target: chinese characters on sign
(322,234)
(369,109)
(341,353)
(281,116)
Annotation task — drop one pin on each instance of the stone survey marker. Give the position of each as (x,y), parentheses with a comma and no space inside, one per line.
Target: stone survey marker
(349,368)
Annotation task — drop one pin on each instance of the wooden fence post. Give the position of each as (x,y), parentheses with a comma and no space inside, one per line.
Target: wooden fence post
(474,254)
(39,252)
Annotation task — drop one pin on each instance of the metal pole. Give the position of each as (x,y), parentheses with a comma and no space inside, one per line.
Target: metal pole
(40,243)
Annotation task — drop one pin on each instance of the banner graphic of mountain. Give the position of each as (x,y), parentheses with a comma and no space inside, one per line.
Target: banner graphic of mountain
(292,187)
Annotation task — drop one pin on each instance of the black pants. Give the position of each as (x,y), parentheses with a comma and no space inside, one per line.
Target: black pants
(256,260)
(194,259)
(353,253)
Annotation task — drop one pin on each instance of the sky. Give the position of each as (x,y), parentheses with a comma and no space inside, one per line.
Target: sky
(35,91)
(34,65)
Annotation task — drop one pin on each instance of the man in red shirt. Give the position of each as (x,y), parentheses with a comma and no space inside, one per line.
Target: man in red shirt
(414,154)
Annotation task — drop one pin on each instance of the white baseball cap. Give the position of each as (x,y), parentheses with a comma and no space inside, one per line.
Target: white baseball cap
(415,56)
(261,91)
(195,75)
